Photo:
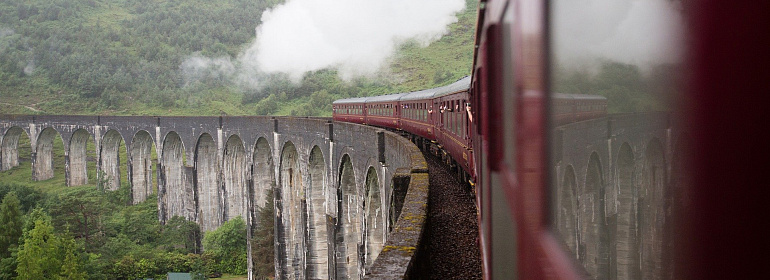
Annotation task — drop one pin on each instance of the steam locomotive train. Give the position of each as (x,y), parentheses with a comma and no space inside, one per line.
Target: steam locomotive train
(502,142)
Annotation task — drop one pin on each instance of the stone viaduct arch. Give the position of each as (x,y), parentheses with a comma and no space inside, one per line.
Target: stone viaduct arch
(175,195)
(9,153)
(348,231)
(78,174)
(567,211)
(235,171)
(318,254)
(140,171)
(613,192)
(42,156)
(209,196)
(110,159)
(374,218)
(263,174)
(627,266)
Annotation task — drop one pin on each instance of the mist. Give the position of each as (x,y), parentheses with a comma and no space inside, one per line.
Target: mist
(355,37)
(644,33)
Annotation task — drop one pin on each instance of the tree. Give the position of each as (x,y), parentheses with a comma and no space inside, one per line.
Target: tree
(227,245)
(82,209)
(182,236)
(10,224)
(46,255)
(10,232)
(263,241)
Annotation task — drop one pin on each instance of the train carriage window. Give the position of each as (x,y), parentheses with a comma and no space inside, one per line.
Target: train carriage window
(424,112)
(454,117)
(444,115)
(458,117)
(609,204)
(449,114)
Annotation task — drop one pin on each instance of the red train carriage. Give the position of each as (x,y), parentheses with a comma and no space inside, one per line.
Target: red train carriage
(383,110)
(418,113)
(569,108)
(350,110)
(453,122)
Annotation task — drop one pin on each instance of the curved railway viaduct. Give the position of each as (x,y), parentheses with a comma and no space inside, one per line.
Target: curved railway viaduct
(339,187)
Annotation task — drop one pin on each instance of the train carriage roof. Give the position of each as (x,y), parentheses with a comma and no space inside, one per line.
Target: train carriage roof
(355,100)
(385,98)
(462,84)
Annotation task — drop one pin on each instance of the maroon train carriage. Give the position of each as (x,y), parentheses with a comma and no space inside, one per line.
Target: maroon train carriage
(453,122)
(418,113)
(570,107)
(350,110)
(383,110)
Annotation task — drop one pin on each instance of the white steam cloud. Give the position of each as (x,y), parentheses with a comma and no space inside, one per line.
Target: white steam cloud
(639,32)
(197,67)
(356,37)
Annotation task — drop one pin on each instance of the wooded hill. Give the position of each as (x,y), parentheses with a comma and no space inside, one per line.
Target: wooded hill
(122,57)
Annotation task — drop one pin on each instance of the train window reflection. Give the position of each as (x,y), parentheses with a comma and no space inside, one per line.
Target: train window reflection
(615,70)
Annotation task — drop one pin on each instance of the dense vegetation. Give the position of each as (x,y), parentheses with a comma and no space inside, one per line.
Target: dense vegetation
(84,233)
(51,231)
(125,57)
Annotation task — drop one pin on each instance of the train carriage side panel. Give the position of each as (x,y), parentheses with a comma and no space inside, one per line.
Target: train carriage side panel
(412,120)
(453,122)
(350,110)
(382,110)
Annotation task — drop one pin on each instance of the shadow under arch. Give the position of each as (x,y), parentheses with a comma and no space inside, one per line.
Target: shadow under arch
(318,249)
(140,156)
(206,177)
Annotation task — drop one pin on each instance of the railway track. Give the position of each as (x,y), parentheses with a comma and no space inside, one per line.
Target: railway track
(452,229)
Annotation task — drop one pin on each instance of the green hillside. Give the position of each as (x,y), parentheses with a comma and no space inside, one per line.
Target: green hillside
(119,57)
